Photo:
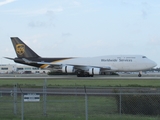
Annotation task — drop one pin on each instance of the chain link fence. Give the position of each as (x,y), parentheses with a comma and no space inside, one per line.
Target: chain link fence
(17,104)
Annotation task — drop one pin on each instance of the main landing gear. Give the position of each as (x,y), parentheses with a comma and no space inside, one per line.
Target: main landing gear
(83,74)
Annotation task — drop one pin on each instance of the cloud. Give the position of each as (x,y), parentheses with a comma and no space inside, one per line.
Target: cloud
(146,8)
(6,2)
(49,20)
(46,11)
(66,34)
(36,24)
(76,3)
(33,11)
(144,14)
(50,16)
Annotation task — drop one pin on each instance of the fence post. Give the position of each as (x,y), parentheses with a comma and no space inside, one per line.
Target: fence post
(22,106)
(15,99)
(86,103)
(44,97)
(120,102)
(75,102)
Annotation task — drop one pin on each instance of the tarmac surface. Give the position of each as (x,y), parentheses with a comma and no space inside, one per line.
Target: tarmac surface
(43,76)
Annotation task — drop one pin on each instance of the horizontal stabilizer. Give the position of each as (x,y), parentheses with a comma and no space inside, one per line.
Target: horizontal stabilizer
(41,63)
(9,58)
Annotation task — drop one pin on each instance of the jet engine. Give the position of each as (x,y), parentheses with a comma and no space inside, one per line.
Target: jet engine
(93,71)
(68,69)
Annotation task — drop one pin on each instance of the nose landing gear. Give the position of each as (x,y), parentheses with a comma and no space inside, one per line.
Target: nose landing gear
(140,74)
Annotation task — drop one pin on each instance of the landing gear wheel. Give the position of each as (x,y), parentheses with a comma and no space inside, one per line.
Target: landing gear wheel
(83,74)
(139,75)
(90,75)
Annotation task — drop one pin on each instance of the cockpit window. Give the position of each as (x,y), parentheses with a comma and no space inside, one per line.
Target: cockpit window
(144,57)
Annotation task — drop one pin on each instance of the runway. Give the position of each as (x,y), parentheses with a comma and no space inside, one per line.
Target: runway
(68,77)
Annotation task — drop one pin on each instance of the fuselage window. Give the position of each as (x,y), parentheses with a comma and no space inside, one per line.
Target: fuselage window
(144,57)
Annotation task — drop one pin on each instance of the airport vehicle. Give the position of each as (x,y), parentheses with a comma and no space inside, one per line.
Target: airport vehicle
(83,67)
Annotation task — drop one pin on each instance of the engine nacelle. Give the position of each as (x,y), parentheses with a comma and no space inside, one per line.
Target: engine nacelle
(93,71)
(68,69)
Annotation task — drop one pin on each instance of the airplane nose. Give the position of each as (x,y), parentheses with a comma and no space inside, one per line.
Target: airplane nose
(151,64)
(154,64)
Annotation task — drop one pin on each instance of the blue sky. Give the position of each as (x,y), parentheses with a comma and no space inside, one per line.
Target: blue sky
(81,28)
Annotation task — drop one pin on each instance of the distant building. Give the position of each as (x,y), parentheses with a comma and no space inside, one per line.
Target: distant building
(21,69)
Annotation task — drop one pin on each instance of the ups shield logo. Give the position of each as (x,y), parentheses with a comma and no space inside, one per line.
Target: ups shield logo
(20,49)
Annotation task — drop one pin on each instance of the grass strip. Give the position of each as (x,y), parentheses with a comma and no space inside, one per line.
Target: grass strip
(80,83)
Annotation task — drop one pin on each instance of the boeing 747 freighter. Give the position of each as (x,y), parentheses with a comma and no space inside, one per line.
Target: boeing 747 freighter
(83,67)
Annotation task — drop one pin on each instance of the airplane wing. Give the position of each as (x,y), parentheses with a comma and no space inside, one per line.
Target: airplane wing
(78,67)
(69,68)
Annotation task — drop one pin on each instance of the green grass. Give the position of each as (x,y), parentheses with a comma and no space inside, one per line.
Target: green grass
(79,83)
(67,108)
(71,107)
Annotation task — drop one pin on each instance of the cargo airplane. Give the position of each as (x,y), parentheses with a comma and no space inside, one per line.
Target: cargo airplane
(83,67)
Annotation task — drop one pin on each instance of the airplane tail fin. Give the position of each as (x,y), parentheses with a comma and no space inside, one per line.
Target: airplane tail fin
(22,50)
